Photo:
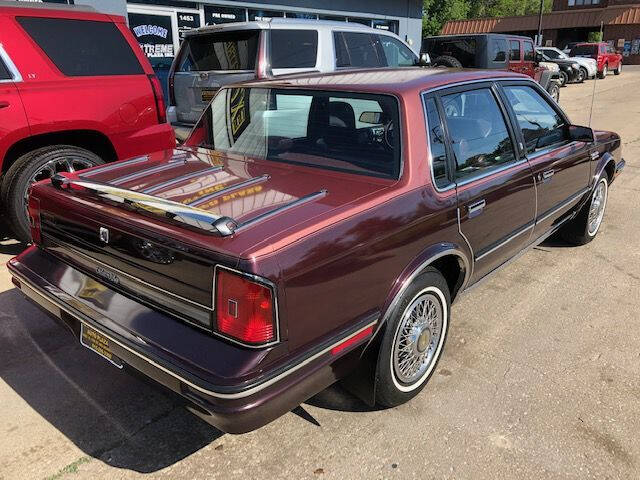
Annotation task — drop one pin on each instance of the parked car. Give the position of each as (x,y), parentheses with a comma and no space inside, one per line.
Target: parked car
(311,229)
(606,57)
(569,71)
(75,91)
(569,46)
(588,66)
(217,55)
(492,51)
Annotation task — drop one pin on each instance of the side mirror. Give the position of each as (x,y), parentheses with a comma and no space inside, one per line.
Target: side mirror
(425,60)
(581,134)
(372,118)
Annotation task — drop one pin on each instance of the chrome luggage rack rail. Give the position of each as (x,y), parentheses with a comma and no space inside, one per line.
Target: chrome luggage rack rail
(178,212)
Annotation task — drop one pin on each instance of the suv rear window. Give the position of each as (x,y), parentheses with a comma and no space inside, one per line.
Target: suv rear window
(83,47)
(233,51)
(584,50)
(350,132)
(294,48)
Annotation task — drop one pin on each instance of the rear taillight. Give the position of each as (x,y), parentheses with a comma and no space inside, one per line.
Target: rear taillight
(244,309)
(161,108)
(34,219)
(171,87)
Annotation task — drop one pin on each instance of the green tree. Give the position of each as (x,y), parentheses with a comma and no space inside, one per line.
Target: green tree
(436,13)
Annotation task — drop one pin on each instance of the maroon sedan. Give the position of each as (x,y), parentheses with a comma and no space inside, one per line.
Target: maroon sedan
(313,228)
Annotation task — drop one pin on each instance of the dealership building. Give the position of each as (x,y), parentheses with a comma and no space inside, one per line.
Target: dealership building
(569,21)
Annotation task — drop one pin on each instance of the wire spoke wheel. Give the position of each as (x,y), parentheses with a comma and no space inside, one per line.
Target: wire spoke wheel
(596,210)
(418,338)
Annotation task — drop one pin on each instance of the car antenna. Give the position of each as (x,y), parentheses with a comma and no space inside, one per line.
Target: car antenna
(595,80)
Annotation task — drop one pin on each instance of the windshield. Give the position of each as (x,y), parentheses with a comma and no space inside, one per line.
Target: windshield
(219,51)
(584,50)
(331,130)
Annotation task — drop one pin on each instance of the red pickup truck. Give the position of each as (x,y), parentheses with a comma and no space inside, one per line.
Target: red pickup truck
(603,53)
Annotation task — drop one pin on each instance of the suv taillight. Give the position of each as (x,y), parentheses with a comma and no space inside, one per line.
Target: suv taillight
(161,108)
(244,309)
(34,218)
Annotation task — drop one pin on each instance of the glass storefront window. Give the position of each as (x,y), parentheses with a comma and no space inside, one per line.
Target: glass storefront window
(311,16)
(258,15)
(214,15)
(388,25)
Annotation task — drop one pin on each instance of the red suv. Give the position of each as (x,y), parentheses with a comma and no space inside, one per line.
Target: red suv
(603,53)
(75,91)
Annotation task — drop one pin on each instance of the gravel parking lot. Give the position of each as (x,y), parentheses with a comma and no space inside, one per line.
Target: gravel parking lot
(540,377)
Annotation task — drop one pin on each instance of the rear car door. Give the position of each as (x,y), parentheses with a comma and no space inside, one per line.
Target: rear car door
(207,62)
(561,167)
(13,121)
(495,189)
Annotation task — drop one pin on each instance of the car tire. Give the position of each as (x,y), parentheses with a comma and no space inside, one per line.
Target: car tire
(586,225)
(554,91)
(582,75)
(407,339)
(446,61)
(34,166)
(604,72)
(564,78)
(618,70)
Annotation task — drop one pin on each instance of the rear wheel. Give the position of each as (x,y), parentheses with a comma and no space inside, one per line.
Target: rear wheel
(586,225)
(32,167)
(446,61)
(414,339)
(618,70)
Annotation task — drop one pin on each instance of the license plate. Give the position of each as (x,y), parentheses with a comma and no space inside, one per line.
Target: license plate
(207,94)
(94,340)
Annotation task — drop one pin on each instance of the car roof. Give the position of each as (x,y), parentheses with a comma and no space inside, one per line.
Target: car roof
(397,81)
(282,23)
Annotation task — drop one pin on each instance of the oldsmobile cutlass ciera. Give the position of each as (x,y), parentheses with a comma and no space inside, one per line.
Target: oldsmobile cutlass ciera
(312,228)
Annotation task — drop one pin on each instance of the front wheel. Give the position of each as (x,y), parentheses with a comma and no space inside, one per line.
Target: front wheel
(414,339)
(586,225)
(34,166)
(564,79)
(618,70)
(554,91)
(582,75)
(604,72)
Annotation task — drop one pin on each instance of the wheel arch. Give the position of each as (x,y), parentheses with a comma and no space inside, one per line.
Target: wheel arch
(92,140)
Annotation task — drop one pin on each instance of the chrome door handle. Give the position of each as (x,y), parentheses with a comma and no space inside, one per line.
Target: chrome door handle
(476,208)
(547,174)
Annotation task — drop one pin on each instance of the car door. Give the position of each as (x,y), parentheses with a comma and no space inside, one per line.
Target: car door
(561,167)
(13,120)
(528,58)
(515,57)
(396,53)
(494,186)
(613,58)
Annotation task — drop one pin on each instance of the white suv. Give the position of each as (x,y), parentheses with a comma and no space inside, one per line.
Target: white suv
(218,55)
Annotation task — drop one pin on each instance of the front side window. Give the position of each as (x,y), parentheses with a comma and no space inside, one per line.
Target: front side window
(436,144)
(294,48)
(541,125)
(360,50)
(529,56)
(478,133)
(83,47)
(231,51)
(351,132)
(397,54)
(514,50)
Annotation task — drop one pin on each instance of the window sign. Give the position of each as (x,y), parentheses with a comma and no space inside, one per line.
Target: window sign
(216,15)
(154,34)
(187,21)
(388,25)
(259,15)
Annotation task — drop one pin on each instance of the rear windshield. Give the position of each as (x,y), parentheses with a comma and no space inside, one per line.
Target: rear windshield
(463,49)
(584,50)
(220,51)
(83,47)
(351,132)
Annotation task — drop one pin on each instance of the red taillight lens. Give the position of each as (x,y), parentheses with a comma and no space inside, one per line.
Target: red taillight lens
(244,309)
(161,108)
(34,219)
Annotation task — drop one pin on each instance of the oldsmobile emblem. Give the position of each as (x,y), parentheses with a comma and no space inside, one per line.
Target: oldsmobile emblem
(104,235)
(107,275)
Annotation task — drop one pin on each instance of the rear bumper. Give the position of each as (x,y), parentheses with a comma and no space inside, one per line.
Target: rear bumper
(231,408)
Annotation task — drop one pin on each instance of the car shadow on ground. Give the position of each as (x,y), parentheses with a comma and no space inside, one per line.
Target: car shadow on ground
(117,418)
(8,246)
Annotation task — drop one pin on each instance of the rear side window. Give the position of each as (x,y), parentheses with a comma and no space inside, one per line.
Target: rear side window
(436,145)
(4,71)
(83,47)
(463,49)
(499,50)
(220,51)
(528,52)
(358,50)
(294,48)
(479,136)
(514,50)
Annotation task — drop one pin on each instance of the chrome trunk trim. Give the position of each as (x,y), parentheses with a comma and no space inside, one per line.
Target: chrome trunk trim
(182,178)
(230,188)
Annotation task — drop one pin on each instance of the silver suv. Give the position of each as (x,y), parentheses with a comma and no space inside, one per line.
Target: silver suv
(213,56)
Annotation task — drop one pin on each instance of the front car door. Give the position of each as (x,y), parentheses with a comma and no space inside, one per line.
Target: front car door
(515,57)
(528,58)
(561,167)
(494,186)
